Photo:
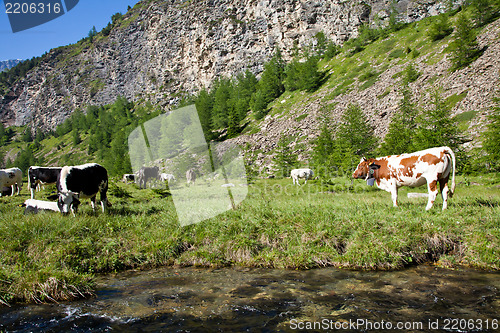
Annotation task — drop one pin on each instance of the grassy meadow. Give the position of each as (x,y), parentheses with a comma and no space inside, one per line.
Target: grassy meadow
(49,257)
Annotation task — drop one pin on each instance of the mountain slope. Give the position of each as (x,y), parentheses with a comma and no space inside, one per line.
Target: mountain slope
(160,50)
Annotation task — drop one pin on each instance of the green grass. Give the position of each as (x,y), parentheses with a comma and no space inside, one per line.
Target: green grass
(49,257)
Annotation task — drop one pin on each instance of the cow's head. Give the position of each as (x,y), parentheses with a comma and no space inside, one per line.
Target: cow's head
(366,169)
(68,200)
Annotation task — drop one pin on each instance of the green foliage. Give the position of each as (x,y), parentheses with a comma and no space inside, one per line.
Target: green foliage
(410,74)
(92,34)
(436,127)
(355,131)
(400,136)
(440,28)
(484,11)
(271,84)
(491,137)
(464,47)
(226,105)
(285,159)
(7,78)
(303,75)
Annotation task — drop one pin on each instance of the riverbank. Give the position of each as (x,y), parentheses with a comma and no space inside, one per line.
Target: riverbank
(49,257)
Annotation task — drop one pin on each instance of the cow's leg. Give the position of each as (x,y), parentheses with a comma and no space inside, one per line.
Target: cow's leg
(443,188)
(432,186)
(32,193)
(394,196)
(92,202)
(13,189)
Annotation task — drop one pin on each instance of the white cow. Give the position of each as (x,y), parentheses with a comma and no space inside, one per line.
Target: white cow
(34,206)
(301,173)
(167,177)
(11,177)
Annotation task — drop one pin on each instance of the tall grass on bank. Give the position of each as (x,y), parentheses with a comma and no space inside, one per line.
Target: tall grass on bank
(49,257)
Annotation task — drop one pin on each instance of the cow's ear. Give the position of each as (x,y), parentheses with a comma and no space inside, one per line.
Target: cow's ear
(53,197)
(374,166)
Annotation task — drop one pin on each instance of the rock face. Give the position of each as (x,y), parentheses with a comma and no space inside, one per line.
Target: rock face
(161,49)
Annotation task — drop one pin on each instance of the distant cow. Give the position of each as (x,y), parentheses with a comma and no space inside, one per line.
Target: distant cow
(35,206)
(167,177)
(41,175)
(82,182)
(12,177)
(190,176)
(427,166)
(147,173)
(301,173)
(128,177)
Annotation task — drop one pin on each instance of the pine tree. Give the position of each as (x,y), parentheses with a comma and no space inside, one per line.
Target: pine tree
(464,46)
(204,104)
(440,28)
(436,127)
(323,148)
(285,159)
(271,82)
(399,138)
(483,12)
(3,136)
(491,142)
(356,131)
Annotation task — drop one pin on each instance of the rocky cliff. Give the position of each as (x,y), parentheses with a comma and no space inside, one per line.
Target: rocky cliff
(161,49)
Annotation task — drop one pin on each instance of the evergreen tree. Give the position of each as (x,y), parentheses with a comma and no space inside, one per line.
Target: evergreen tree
(222,104)
(303,75)
(3,135)
(285,159)
(436,127)
(204,104)
(464,46)
(483,12)
(259,105)
(440,28)
(399,138)
(92,34)
(76,137)
(323,149)
(356,132)
(491,142)
(271,82)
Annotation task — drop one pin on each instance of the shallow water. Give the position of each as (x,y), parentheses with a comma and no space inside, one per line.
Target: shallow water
(267,300)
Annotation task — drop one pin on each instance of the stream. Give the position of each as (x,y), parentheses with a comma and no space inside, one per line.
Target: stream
(417,299)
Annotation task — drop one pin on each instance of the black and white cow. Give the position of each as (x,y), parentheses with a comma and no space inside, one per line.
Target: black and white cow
(147,173)
(82,182)
(42,175)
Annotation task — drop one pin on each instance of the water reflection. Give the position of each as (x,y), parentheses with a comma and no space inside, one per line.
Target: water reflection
(237,299)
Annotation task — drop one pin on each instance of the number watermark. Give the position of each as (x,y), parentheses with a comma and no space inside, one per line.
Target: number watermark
(25,14)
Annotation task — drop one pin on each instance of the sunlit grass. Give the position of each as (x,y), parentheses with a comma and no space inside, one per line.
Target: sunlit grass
(48,257)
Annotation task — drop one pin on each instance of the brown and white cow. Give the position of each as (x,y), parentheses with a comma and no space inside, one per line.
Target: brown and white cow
(427,166)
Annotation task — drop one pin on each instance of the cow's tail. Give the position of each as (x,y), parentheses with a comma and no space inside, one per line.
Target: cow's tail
(453,165)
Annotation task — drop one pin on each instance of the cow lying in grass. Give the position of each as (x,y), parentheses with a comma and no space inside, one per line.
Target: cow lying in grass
(35,206)
(431,166)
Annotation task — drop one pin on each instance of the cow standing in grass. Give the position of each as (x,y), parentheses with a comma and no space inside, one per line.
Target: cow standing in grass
(296,174)
(431,166)
(191,176)
(81,182)
(13,178)
(41,175)
(147,173)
